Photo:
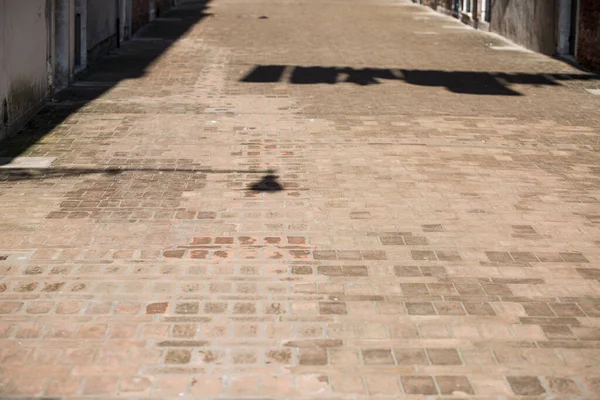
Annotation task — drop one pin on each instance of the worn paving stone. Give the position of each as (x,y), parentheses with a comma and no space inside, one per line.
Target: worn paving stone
(321,203)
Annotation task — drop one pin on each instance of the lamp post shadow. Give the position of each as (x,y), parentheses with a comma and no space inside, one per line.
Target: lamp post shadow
(268,183)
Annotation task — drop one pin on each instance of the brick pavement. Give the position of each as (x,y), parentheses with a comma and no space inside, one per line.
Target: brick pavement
(306,199)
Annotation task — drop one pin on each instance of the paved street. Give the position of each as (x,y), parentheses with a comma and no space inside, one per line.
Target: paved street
(303,199)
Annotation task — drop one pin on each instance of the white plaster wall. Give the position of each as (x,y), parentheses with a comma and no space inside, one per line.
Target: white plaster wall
(23,59)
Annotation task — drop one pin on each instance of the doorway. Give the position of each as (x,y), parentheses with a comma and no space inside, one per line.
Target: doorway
(573,27)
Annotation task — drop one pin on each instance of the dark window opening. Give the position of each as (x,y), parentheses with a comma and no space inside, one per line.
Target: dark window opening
(78,39)
(573,27)
(5,113)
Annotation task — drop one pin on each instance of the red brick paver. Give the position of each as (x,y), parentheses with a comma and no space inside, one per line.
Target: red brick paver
(306,199)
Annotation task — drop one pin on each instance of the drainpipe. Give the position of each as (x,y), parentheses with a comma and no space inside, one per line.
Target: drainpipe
(475,13)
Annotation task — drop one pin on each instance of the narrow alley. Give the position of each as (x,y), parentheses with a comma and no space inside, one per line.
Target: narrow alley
(303,199)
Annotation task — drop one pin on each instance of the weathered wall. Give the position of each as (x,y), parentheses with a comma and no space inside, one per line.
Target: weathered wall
(23,61)
(588,39)
(531,23)
(162,6)
(101,27)
(140,14)
(64,42)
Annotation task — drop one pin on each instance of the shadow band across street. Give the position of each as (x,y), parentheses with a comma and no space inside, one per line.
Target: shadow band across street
(464,82)
(267,180)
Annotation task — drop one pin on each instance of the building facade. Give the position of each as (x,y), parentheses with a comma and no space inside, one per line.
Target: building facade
(24,73)
(588,39)
(44,44)
(568,28)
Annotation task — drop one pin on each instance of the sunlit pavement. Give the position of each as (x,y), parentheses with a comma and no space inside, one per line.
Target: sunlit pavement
(306,199)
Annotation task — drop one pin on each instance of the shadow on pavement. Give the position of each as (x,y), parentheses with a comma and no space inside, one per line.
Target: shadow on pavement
(129,62)
(464,82)
(268,183)
(23,174)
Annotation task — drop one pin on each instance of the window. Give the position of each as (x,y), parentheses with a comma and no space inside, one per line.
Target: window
(465,6)
(486,8)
